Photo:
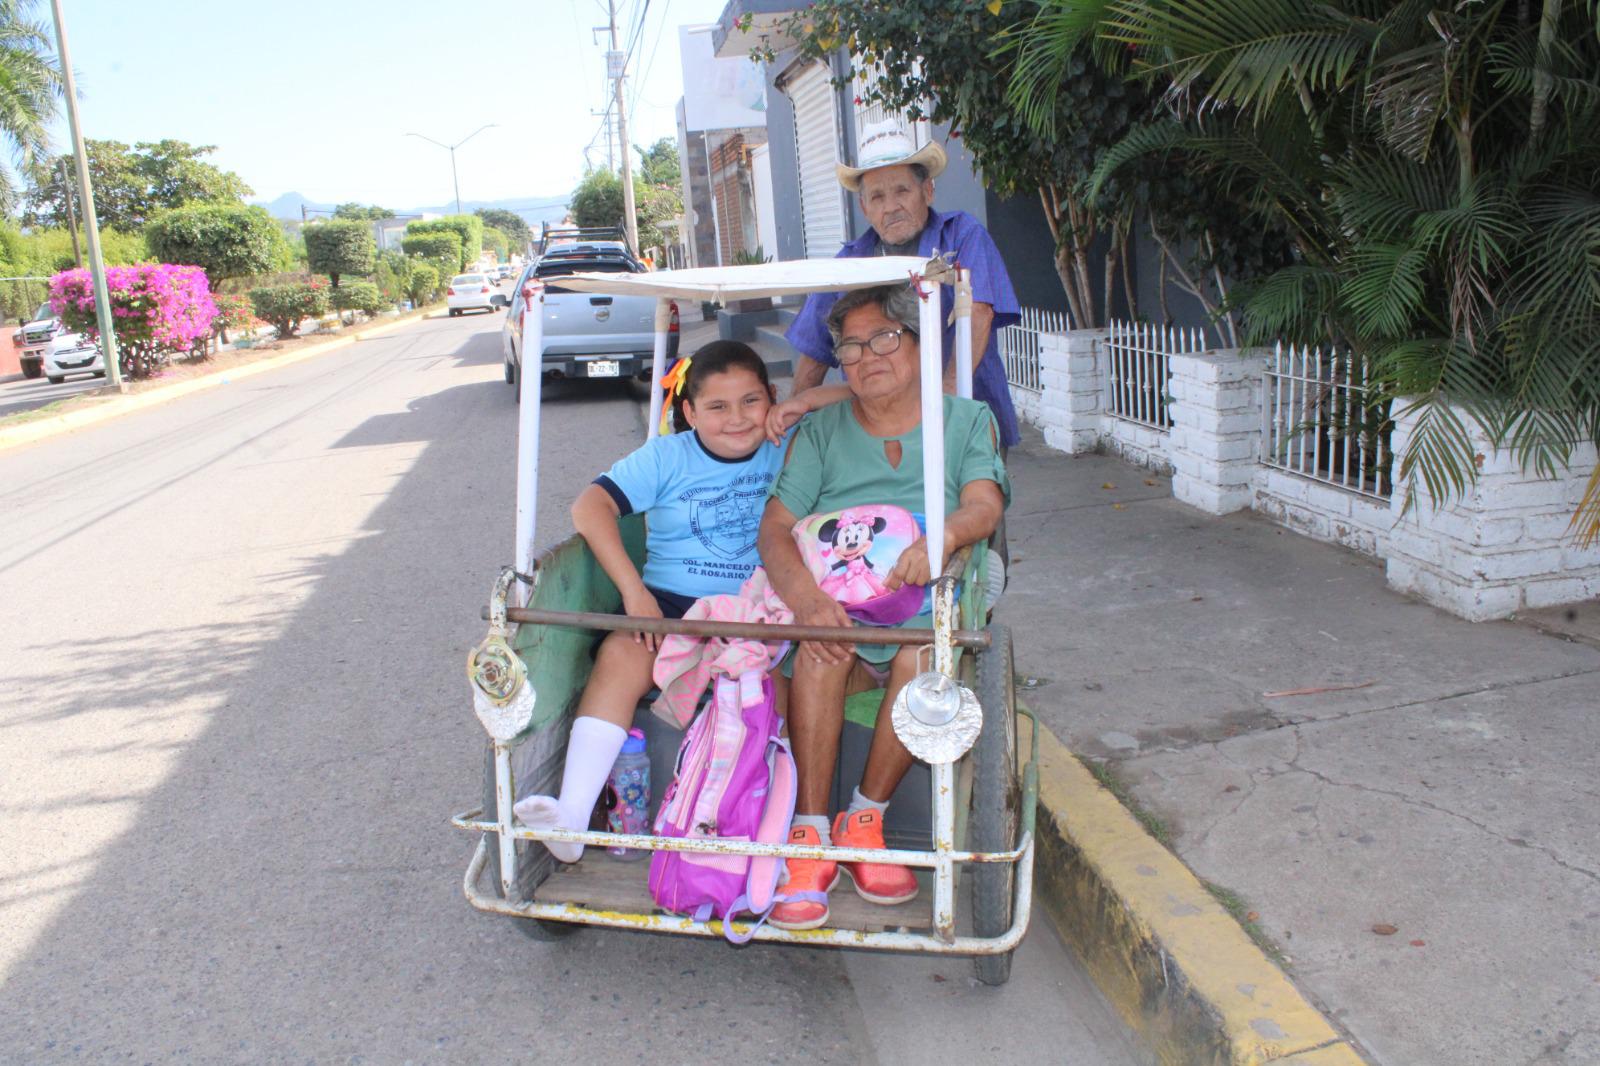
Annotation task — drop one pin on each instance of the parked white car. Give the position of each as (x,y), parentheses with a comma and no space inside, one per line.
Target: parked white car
(72,353)
(469,292)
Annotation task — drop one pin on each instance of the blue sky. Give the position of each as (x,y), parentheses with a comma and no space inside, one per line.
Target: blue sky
(316,97)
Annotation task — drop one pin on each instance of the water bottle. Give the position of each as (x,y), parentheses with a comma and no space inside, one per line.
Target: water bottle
(628,793)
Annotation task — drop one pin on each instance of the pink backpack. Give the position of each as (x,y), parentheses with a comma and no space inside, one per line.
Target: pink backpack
(735,781)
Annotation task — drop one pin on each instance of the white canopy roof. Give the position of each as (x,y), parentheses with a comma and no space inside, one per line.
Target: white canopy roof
(796,277)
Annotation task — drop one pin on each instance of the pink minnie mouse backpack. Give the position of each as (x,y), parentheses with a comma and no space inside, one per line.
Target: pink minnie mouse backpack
(851,552)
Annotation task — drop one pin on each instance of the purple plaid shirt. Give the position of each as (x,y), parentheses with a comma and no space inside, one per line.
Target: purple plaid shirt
(955,232)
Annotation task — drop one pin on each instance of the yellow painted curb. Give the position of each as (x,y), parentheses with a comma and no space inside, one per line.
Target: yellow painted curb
(1176,965)
(31,432)
(1334,1055)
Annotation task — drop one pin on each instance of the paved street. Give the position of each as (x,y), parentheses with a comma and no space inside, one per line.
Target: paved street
(18,394)
(234,721)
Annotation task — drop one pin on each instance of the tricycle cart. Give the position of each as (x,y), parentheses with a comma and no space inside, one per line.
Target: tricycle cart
(960,716)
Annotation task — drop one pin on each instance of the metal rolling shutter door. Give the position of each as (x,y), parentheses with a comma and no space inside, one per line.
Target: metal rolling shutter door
(816,137)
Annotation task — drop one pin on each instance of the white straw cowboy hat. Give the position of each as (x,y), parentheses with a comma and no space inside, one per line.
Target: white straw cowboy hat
(886,144)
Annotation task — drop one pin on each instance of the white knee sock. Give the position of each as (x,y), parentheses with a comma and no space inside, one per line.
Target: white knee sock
(858,802)
(592,750)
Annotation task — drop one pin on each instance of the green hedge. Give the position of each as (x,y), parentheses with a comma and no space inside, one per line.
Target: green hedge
(340,247)
(360,296)
(444,245)
(285,306)
(468,228)
(421,283)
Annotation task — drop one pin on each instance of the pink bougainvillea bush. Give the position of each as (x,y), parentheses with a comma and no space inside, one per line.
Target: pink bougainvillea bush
(158,308)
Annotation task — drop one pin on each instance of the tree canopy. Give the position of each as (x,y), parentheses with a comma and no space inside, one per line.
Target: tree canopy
(658,164)
(1438,167)
(362,212)
(508,222)
(30,80)
(133,185)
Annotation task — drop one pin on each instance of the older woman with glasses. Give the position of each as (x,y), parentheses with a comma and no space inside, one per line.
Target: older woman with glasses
(867,451)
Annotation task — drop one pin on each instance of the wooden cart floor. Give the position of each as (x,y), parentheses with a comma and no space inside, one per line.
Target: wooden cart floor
(603,882)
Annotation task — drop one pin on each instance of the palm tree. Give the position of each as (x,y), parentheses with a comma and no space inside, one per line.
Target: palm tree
(30,81)
(1438,165)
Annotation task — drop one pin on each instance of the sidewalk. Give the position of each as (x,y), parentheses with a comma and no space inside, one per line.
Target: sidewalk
(1448,790)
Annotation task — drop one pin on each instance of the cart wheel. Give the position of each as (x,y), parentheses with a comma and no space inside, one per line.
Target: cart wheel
(533,928)
(996,794)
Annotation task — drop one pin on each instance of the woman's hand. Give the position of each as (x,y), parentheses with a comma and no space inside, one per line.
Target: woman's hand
(912,566)
(782,416)
(641,603)
(823,610)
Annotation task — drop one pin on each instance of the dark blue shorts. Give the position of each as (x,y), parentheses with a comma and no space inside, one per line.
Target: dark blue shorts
(672,604)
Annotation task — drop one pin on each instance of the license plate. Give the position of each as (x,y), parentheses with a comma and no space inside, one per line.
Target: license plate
(75,364)
(603,368)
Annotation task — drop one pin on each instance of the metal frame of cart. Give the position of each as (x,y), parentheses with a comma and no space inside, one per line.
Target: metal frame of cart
(1004,872)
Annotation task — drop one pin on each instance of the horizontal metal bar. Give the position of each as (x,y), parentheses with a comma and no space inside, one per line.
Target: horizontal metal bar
(673,923)
(473,821)
(966,638)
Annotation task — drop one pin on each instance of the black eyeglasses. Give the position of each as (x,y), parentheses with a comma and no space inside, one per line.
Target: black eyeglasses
(849,353)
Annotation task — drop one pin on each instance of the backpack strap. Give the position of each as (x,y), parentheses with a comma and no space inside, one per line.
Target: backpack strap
(776,818)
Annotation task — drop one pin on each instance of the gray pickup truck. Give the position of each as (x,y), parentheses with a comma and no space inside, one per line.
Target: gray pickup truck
(586,336)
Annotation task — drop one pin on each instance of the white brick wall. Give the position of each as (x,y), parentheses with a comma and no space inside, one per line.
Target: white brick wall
(1504,547)
(1071,375)
(1216,427)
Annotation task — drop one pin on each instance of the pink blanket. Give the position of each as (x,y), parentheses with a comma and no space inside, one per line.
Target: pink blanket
(844,550)
(685,665)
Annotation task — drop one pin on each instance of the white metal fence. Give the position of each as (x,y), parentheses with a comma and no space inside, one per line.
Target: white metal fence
(1318,421)
(1137,371)
(1019,345)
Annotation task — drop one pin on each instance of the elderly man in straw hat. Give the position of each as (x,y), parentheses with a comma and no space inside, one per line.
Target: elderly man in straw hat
(895,184)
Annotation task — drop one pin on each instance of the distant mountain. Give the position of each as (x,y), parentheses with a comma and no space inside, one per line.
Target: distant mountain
(533,209)
(288,206)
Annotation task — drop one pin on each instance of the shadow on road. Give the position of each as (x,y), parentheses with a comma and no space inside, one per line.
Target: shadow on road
(291,888)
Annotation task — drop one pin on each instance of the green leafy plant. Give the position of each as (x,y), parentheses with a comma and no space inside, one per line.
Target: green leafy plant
(132,185)
(468,230)
(362,212)
(597,201)
(362,296)
(390,274)
(1438,168)
(339,247)
(226,240)
(284,307)
(496,242)
(422,282)
(442,247)
(508,222)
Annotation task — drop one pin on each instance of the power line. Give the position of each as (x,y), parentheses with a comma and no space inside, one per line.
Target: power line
(638,85)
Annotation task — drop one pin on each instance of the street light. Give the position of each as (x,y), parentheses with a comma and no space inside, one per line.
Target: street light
(451,148)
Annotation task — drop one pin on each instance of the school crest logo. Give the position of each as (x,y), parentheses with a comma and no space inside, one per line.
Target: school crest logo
(725,521)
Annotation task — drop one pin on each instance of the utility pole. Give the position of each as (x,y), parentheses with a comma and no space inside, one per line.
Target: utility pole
(616,68)
(91,228)
(72,216)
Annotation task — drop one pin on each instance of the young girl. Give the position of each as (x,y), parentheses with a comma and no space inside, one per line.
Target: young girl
(704,491)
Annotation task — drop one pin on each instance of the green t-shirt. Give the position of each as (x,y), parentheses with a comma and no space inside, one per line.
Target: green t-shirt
(834,463)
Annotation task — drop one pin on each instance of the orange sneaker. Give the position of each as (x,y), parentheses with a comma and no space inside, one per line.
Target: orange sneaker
(803,894)
(875,882)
